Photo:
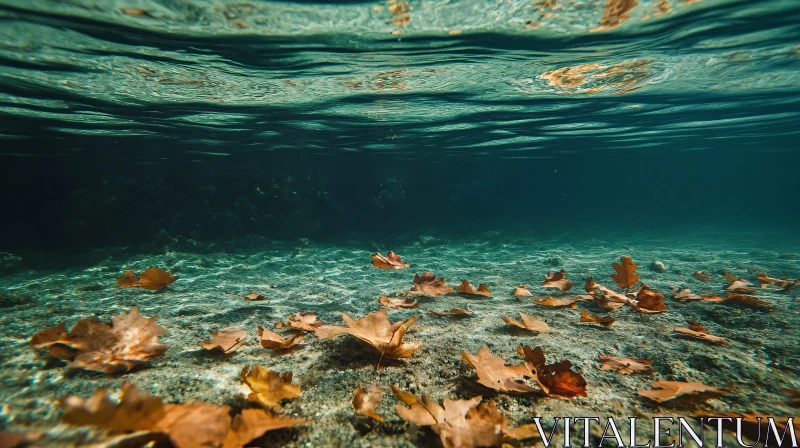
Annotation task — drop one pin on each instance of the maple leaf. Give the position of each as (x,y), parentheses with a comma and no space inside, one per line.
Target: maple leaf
(227,341)
(466,288)
(557,280)
(453,312)
(274,341)
(461,423)
(253,423)
(650,301)
(152,279)
(365,402)
(495,374)
(625,365)
(375,330)
(390,261)
(267,387)
(747,301)
(625,276)
(556,302)
(554,379)
(528,322)
(393,302)
(669,390)
(703,276)
(587,317)
(427,284)
(522,291)
(128,341)
(302,322)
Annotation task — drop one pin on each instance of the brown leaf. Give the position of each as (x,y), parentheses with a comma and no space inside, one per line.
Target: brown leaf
(302,322)
(557,280)
(625,365)
(528,322)
(253,423)
(556,302)
(152,279)
(605,298)
(375,330)
(702,335)
(685,295)
(650,301)
(713,298)
(134,411)
(18,439)
(730,277)
(615,13)
(195,424)
(453,312)
(764,280)
(128,341)
(625,276)
(227,341)
(740,286)
(668,390)
(365,402)
(587,317)
(135,12)
(495,374)
(466,288)
(267,387)
(254,296)
(554,379)
(390,261)
(461,423)
(748,301)
(392,302)
(522,291)
(274,341)
(703,276)
(696,326)
(429,285)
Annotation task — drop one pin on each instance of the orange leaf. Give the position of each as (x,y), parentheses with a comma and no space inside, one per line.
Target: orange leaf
(390,261)
(556,302)
(528,322)
(554,379)
(128,280)
(392,302)
(748,301)
(557,280)
(495,374)
(427,284)
(301,321)
(700,334)
(669,390)
(587,317)
(453,312)
(375,330)
(268,387)
(274,341)
(625,276)
(685,295)
(152,279)
(466,288)
(740,286)
(365,402)
(228,341)
(522,291)
(625,365)
(650,301)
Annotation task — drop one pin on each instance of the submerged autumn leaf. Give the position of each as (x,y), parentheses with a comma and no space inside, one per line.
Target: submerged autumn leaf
(495,374)
(587,317)
(556,302)
(267,387)
(698,331)
(365,402)
(625,365)
(452,312)
(253,296)
(684,295)
(152,279)
(427,284)
(128,341)
(528,322)
(522,291)
(554,379)
(390,261)
(227,341)
(393,302)
(375,330)
(625,275)
(669,390)
(747,301)
(274,341)
(461,423)
(557,280)
(302,322)
(466,288)
(606,298)
(650,301)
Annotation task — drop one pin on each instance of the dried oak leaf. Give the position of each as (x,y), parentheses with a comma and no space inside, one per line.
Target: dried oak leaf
(556,302)
(650,301)
(390,261)
(495,374)
(713,298)
(302,322)
(554,379)
(427,284)
(274,341)
(461,423)
(587,317)
(740,286)
(130,340)
(605,298)
(625,275)
(625,365)
(375,330)
(703,276)
(557,280)
(267,387)
(452,312)
(393,302)
(253,423)
(668,390)
(685,295)
(365,401)
(466,288)
(152,279)
(748,301)
(699,332)
(522,291)
(252,297)
(227,341)
(528,322)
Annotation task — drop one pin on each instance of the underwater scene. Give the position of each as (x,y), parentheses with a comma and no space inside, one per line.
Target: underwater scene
(399,223)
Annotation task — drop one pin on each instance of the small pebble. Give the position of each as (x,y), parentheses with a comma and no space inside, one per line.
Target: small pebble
(658,266)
